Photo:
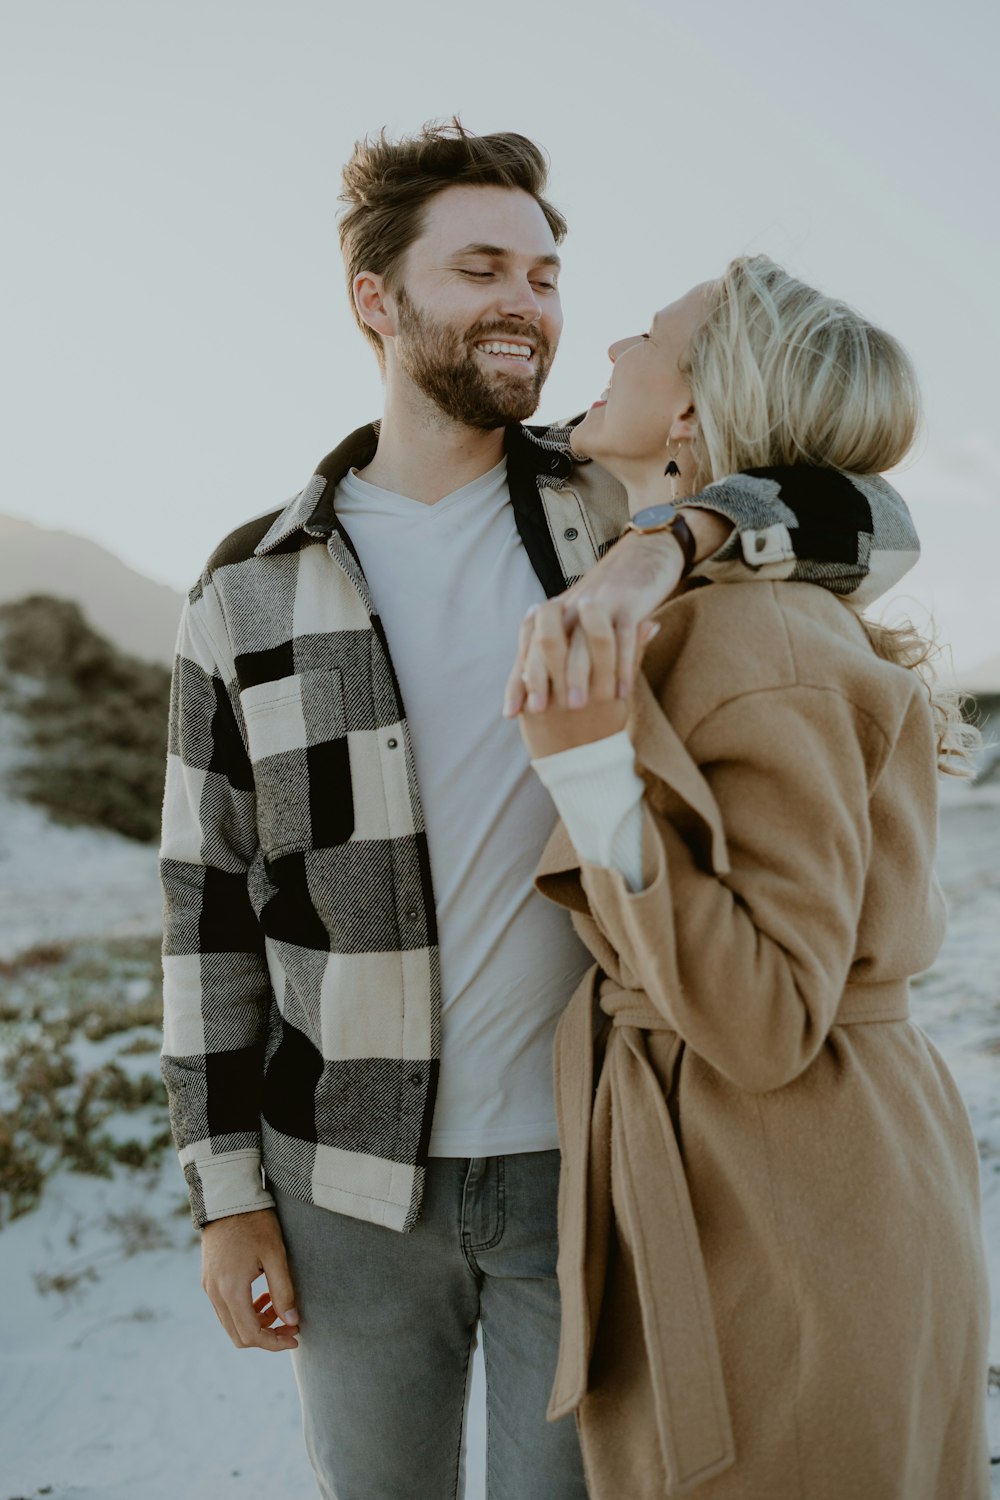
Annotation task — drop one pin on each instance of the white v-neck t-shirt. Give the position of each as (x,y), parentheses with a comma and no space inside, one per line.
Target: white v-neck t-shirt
(451,583)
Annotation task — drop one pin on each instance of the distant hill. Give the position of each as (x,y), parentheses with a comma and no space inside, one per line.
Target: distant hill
(136,614)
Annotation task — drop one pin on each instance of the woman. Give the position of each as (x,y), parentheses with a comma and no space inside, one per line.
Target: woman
(771,1261)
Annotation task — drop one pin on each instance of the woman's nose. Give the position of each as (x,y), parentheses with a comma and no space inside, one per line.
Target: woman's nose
(618,349)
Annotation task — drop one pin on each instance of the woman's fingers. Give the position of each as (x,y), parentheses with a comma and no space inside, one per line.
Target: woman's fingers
(577,670)
(571,655)
(601,638)
(593,662)
(615,644)
(544,670)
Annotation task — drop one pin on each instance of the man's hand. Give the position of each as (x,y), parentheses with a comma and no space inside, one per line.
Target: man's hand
(234,1252)
(634,578)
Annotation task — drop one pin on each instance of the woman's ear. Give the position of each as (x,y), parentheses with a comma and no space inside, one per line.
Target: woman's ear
(372,303)
(684,427)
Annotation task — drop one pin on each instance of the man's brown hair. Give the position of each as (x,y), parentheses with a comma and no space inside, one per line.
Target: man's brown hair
(388,185)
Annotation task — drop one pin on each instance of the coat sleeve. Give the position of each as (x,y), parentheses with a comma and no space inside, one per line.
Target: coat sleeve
(216,987)
(850,534)
(748,963)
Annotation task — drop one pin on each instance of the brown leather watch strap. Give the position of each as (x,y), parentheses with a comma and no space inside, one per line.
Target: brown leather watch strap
(685,537)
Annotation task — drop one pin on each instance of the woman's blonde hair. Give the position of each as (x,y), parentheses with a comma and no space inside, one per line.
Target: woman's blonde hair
(783,374)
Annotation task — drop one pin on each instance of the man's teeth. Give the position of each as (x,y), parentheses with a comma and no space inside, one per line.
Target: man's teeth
(520,351)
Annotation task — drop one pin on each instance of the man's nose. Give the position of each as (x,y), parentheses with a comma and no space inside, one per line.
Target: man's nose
(520,301)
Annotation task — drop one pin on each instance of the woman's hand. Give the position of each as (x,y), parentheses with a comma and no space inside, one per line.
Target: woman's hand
(634,578)
(576,679)
(638,574)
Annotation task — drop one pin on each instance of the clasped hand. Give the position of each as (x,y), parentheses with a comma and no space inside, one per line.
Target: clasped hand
(576,662)
(578,654)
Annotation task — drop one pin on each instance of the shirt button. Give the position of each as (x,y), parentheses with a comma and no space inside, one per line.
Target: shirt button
(392,744)
(571,533)
(416,1079)
(412,914)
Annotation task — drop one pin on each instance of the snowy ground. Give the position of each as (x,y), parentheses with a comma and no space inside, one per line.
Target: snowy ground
(58,884)
(116,1383)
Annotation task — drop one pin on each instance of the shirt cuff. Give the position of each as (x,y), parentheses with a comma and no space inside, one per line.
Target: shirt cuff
(223,1185)
(598,795)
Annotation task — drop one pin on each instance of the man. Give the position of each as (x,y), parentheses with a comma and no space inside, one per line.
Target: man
(361,985)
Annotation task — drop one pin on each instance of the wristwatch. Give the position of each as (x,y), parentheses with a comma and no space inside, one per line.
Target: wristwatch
(666,517)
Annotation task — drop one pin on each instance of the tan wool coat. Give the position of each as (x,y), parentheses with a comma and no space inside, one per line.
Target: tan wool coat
(771,1260)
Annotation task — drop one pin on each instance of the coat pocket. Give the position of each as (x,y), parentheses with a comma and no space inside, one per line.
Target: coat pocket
(297,737)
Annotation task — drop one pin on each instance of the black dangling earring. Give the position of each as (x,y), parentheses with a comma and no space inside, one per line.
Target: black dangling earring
(672,470)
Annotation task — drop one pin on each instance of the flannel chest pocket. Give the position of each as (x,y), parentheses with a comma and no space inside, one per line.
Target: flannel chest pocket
(297,738)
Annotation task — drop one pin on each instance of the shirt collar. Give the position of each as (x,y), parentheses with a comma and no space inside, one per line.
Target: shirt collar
(543,452)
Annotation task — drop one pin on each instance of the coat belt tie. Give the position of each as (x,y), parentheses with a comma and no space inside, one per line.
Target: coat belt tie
(628,1110)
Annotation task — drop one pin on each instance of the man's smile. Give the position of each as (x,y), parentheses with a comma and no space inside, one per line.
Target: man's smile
(507,351)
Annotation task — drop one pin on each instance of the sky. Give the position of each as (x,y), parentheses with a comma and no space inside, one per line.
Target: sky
(178,351)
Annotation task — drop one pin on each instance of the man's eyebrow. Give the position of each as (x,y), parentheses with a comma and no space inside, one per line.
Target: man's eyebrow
(498,252)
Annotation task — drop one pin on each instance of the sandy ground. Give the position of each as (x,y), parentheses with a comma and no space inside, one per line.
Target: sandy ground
(115,1380)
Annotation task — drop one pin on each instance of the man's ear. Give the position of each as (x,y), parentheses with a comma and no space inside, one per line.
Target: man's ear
(684,427)
(373,303)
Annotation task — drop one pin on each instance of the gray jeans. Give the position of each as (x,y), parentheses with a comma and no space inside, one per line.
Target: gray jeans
(388,1327)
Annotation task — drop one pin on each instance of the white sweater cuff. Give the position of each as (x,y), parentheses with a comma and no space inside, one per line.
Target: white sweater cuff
(598,795)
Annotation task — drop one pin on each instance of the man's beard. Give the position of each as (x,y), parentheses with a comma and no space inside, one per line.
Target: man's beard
(442,363)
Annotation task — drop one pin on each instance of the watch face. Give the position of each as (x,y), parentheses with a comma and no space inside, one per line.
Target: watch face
(655,515)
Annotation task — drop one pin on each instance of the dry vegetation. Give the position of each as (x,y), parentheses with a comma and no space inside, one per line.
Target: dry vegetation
(79,1077)
(96,719)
